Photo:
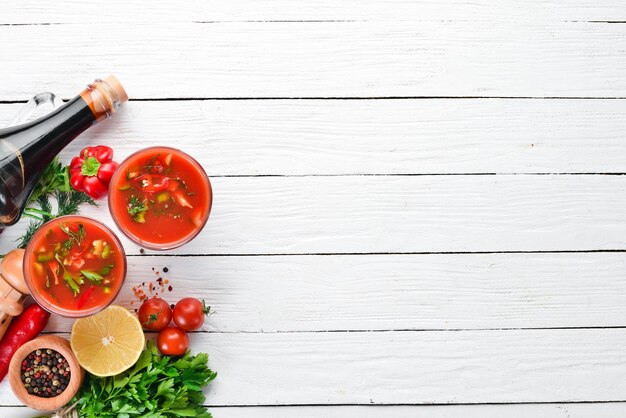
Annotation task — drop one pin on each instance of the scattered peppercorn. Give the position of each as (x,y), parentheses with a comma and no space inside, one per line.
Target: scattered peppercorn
(146,290)
(45,373)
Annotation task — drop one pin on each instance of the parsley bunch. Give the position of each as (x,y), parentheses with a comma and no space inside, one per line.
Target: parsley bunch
(156,386)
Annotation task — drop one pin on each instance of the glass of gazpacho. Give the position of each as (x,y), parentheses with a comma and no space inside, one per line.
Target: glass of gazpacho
(160,198)
(74,266)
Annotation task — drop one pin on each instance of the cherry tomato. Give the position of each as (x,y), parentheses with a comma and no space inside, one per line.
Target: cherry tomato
(155,314)
(173,341)
(189,313)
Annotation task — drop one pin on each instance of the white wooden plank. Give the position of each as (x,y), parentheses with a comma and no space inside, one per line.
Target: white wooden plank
(311,293)
(412,367)
(362,214)
(440,411)
(318,59)
(74,11)
(301,137)
(416,367)
(18,411)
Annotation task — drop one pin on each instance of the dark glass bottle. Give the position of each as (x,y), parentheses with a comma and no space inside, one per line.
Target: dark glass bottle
(27,149)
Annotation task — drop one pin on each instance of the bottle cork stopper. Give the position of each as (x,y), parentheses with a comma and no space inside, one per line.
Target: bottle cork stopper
(117,87)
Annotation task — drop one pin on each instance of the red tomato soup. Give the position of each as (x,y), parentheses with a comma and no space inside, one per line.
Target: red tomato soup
(160,197)
(74,266)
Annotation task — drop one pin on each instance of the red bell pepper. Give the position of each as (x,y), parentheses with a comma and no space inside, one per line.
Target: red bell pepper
(151,183)
(91,171)
(83,299)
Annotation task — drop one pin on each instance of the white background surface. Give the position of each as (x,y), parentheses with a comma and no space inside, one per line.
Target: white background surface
(419,205)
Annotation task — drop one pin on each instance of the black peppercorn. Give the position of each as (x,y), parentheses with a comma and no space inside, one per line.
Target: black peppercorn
(40,379)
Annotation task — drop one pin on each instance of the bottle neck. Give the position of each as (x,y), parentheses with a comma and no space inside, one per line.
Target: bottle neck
(103,98)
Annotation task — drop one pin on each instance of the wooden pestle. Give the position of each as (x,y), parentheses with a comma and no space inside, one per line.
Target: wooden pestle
(13,289)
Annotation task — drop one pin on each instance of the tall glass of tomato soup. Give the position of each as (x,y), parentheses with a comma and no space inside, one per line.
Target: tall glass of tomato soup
(160,198)
(74,266)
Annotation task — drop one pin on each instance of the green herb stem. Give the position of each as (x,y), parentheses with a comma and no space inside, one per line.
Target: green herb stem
(157,386)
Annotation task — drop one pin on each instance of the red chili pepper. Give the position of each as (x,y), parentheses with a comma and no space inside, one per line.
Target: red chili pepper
(91,170)
(85,296)
(23,329)
(151,183)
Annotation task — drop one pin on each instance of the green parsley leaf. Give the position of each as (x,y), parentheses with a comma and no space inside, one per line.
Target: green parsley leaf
(92,275)
(156,386)
(106,270)
(72,281)
(137,208)
(55,177)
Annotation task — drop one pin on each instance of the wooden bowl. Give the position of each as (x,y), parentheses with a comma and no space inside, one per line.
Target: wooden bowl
(60,345)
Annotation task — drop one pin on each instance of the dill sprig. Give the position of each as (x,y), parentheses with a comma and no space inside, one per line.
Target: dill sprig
(68,203)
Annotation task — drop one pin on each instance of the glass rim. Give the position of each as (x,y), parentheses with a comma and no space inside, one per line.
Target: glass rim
(148,244)
(55,309)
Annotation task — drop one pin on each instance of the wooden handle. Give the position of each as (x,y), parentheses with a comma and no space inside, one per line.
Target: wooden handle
(11,304)
(13,289)
(12,271)
(8,309)
(11,307)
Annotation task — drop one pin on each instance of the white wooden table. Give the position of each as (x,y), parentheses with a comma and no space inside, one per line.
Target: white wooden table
(419,206)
